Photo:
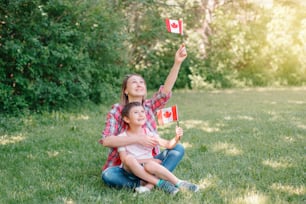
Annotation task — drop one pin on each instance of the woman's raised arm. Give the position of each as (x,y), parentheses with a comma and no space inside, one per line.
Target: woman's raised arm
(180,56)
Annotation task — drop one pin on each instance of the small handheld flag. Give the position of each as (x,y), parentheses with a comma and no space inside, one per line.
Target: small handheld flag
(167,115)
(174,26)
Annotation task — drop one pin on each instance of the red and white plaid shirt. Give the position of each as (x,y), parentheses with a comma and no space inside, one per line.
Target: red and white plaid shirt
(114,124)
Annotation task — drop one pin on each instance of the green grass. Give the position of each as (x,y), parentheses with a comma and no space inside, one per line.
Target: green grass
(242,146)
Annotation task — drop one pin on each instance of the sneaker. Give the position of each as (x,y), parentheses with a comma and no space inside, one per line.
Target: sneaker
(142,189)
(188,186)
(169,188)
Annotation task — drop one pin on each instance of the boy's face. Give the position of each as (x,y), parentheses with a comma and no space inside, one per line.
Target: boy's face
(137,116)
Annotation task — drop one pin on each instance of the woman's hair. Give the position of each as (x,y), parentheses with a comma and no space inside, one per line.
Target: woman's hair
(126,110)
(124,97)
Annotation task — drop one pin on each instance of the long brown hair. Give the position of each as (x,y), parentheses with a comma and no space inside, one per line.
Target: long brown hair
(124,97)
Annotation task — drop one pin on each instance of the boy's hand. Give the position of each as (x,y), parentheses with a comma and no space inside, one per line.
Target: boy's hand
(179,132)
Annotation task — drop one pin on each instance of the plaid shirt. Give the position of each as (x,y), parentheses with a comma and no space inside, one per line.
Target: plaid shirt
(114,124)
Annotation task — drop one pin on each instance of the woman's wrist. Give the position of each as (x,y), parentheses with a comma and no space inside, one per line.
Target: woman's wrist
(177,64)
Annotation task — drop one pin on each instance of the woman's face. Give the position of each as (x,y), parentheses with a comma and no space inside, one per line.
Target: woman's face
(136,87)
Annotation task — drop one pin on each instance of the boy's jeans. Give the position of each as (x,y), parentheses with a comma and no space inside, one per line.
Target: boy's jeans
(117,177)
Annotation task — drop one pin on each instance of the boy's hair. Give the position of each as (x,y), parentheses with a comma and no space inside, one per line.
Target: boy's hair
(126,109)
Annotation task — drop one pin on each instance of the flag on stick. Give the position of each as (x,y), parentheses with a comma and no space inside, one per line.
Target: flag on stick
(174,26)
(167,115)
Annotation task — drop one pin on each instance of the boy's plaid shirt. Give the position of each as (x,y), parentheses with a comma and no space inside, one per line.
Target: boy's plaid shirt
(114,124)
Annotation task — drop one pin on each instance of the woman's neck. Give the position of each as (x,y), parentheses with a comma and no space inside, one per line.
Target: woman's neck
(135,99)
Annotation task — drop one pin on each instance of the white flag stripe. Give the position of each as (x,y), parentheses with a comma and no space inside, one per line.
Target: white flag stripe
(174,26)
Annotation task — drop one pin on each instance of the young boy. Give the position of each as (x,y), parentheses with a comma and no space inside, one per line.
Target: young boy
(136,157)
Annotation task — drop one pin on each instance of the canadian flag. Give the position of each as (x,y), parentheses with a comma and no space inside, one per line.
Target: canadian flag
(174,26)
(167,115)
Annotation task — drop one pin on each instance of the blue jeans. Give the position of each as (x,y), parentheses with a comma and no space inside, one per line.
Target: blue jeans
(119,178)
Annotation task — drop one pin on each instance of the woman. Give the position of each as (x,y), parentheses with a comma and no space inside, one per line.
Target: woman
(134,89)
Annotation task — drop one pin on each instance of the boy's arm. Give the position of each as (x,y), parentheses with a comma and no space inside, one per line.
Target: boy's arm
(170,144)
(122,154)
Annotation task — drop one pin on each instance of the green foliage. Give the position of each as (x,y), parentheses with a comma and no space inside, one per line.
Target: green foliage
(149,49)
(58,54)
(158,66)
(54,56)
(252,46)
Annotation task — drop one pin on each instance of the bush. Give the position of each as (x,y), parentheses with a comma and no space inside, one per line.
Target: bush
(56,54)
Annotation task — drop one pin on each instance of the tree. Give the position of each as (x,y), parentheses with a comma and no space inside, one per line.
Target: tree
(57,54)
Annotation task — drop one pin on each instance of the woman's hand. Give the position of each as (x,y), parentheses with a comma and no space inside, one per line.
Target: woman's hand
(148,141)
(180,54)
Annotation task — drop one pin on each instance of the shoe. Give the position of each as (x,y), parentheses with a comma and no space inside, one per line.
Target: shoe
(169,188)
(142,189)
(188,186)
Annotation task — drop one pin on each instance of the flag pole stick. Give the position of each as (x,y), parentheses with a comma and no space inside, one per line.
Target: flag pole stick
(178,125)
(178,122)
(182,34)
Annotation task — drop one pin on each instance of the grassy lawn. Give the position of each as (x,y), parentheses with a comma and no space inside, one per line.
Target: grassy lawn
(242,146)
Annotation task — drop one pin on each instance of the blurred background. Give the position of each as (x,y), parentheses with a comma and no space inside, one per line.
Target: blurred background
(56,54)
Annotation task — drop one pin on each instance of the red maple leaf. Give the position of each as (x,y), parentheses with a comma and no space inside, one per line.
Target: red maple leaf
(167,114)
(174,25)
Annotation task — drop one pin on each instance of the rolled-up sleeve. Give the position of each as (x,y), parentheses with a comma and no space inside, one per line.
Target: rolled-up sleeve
(159,99)
(113,122)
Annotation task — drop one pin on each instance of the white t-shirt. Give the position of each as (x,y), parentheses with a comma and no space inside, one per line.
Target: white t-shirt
(137,150)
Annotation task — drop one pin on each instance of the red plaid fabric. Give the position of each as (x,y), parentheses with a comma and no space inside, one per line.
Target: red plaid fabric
(114,124)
